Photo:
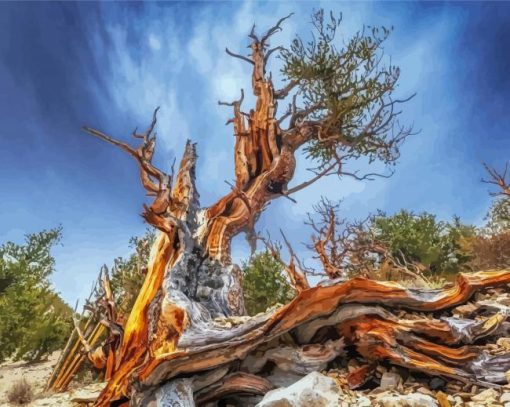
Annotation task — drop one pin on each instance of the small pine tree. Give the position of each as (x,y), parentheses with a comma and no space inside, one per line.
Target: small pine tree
(34,321)
(264,283)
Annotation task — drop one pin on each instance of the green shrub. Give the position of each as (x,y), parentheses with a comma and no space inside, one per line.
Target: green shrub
(264,283)
(34,321)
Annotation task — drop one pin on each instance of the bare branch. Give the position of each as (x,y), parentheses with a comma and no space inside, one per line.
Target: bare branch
(235,102)
(78,330)
(327,171)
(498,179)
(273,30)
(143,154)
(252,34)
(369,177)
(296,276)
(239,56)
(283,93)
(269,52)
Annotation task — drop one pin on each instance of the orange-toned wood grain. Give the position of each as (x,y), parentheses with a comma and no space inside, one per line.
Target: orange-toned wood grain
(322,301)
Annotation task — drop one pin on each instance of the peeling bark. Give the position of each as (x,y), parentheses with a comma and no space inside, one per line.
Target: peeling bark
(176,344)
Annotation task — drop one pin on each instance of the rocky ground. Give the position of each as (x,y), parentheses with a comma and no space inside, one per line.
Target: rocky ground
(331,389)
(396,388)
(36,374)
(348,381)
(352,381)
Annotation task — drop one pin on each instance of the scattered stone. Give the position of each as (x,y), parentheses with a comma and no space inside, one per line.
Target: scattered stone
(87,394)
(458,401)
(454,387)
(466,309)
(407,400)
(488,395)
(424,390)
(504,343)
(315,389)
(505,397)
(437,383)
(390,380)
(464,395)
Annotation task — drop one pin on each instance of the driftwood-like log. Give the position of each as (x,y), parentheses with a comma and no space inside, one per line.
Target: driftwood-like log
(374,332)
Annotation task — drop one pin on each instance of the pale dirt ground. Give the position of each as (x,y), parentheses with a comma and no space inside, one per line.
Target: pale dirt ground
(37,374)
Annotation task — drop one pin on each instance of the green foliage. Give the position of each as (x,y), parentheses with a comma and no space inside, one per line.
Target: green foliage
(128,274)
(347,90)
(498,218)
(264,283)
(423,239)
(34,321)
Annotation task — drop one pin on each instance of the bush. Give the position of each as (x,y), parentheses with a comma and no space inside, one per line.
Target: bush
(264,283)
(34,321)
(421,238)
(20,392)
(489,251)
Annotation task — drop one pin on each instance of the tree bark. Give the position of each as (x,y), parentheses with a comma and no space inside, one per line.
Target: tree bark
(186,338)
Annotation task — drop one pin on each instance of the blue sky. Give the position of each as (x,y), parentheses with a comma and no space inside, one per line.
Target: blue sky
(108,65)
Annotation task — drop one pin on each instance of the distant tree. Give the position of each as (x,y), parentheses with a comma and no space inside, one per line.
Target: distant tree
(424,239)
(489,251)
(498,218)
(34,321)
(404,245)
(265,283)
(490,248)
(128,274)
(499,215)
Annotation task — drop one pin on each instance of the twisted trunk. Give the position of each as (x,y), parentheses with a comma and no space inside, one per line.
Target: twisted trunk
(186,340)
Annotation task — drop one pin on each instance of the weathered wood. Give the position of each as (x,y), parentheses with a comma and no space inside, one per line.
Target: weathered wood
(238,383)
(174,346)
(301,360)
(219,345)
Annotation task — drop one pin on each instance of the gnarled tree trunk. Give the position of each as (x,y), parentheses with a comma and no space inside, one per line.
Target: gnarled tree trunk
(186,339)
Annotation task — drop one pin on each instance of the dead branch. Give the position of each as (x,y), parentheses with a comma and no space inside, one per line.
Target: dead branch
(155,181)
(296,275)
(273,30)
(232,54)
(498,179)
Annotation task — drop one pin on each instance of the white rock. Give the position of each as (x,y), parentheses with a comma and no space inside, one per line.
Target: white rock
(313,390)
(505,398)
(177,392)
(86,394)
(407,400)
(390,380)
(486,395)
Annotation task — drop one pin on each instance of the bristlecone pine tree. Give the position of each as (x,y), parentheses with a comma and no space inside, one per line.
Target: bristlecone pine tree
(185,339)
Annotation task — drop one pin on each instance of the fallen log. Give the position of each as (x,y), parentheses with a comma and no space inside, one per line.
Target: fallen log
(374,331)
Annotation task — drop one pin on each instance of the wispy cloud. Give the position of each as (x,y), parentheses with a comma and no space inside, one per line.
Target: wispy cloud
(113,63)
